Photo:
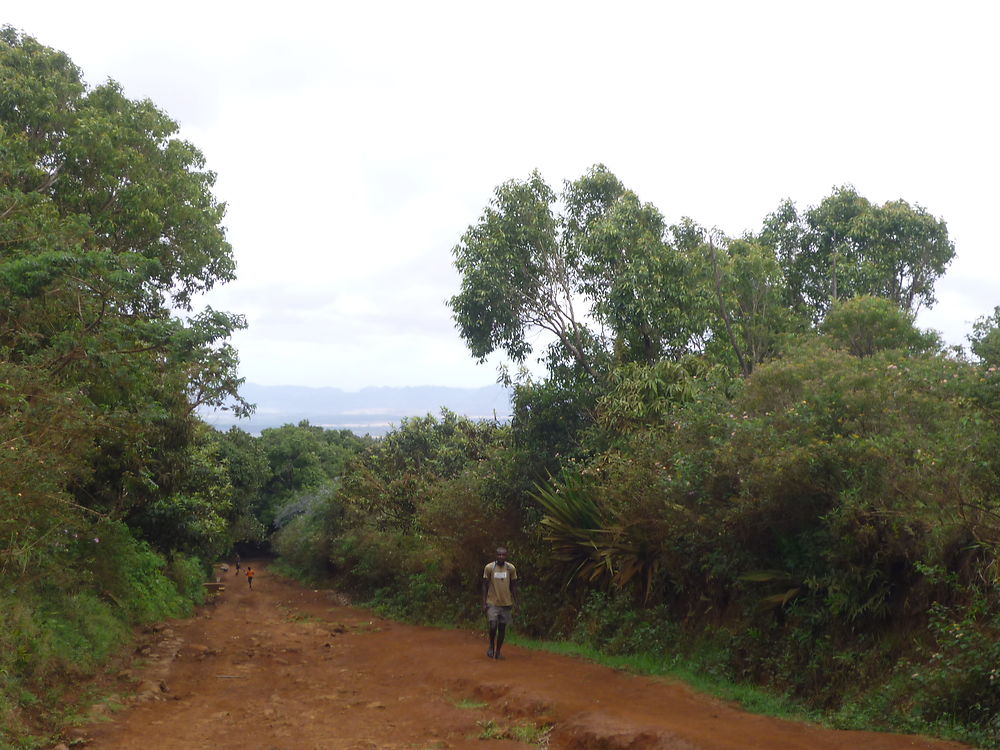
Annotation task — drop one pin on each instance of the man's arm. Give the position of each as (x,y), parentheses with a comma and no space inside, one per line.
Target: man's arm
(486,588)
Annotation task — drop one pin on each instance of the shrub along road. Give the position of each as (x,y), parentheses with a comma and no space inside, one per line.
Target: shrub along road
(283,667)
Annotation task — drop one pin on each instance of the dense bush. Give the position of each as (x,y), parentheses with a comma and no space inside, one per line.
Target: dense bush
(807,528)
(308,524)
(960,679)
(64,618)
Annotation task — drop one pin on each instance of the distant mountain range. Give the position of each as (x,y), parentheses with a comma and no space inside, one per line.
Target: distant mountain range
(372,411)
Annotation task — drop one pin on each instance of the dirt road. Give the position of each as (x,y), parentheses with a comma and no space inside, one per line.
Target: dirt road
(287,668)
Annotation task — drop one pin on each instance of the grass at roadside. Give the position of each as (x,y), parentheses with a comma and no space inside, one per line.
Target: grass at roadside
(757,700)
(751,698)
(60,636)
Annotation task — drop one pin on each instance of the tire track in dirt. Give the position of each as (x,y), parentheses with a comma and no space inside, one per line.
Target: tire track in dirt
(283,667)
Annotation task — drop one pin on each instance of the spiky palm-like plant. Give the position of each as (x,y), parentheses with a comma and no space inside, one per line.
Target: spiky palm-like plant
(593,546)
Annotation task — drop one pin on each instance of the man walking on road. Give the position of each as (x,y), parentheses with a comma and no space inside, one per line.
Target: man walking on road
(499,599)
(249,577)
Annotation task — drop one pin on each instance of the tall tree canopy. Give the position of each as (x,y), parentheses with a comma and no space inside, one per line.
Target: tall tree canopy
(848,246)
(108,229)
(985,338)
(600,276)
(613,283)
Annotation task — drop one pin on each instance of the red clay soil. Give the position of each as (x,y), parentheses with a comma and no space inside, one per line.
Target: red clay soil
(283,667)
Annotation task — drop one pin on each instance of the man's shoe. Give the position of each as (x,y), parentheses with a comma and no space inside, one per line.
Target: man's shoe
(498,656)
(489,652)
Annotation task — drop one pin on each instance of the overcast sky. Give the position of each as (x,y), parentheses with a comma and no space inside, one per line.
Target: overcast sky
(355,142)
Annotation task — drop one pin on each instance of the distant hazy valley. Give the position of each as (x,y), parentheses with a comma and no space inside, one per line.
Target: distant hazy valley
(372,411)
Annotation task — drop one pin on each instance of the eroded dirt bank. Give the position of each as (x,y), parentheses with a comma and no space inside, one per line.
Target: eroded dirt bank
(287,668)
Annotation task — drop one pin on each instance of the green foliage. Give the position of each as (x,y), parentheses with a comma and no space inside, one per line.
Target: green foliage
(847,246)
(655,292)
(750,318)
(512,266)
(850,468)
(45,442)
(132,575)
(62,619)
(109,229)
(411,522)
(390,480)
(522,732)
(302,546)
(461,522)
(109,222)
(639,284)
(961,678)
(639,396)
(109,225)
(525,269)
(368,560)
(470,703)
(611,624)
(303,541)
(187,574)
(867,325)
(575,528)
(805,506)
(985,339)
(547,423)
(198,515)
(397,575)
(420,596)
(299,458)
(246,464)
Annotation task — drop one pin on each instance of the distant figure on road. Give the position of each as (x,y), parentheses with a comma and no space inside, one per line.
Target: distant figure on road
(237,564)
(499,599)
(249,576)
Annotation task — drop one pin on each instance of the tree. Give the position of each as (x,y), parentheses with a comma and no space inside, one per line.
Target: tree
(748,288)
(640,285)
(867,325)
(200,511)
(516,276)
(109,229)
(301,458)
(604,260)
(847,246)
(389,480)
(247,466)
(645,396)
(985,339)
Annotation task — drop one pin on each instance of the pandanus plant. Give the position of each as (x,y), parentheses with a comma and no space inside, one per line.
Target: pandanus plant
(593,546)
